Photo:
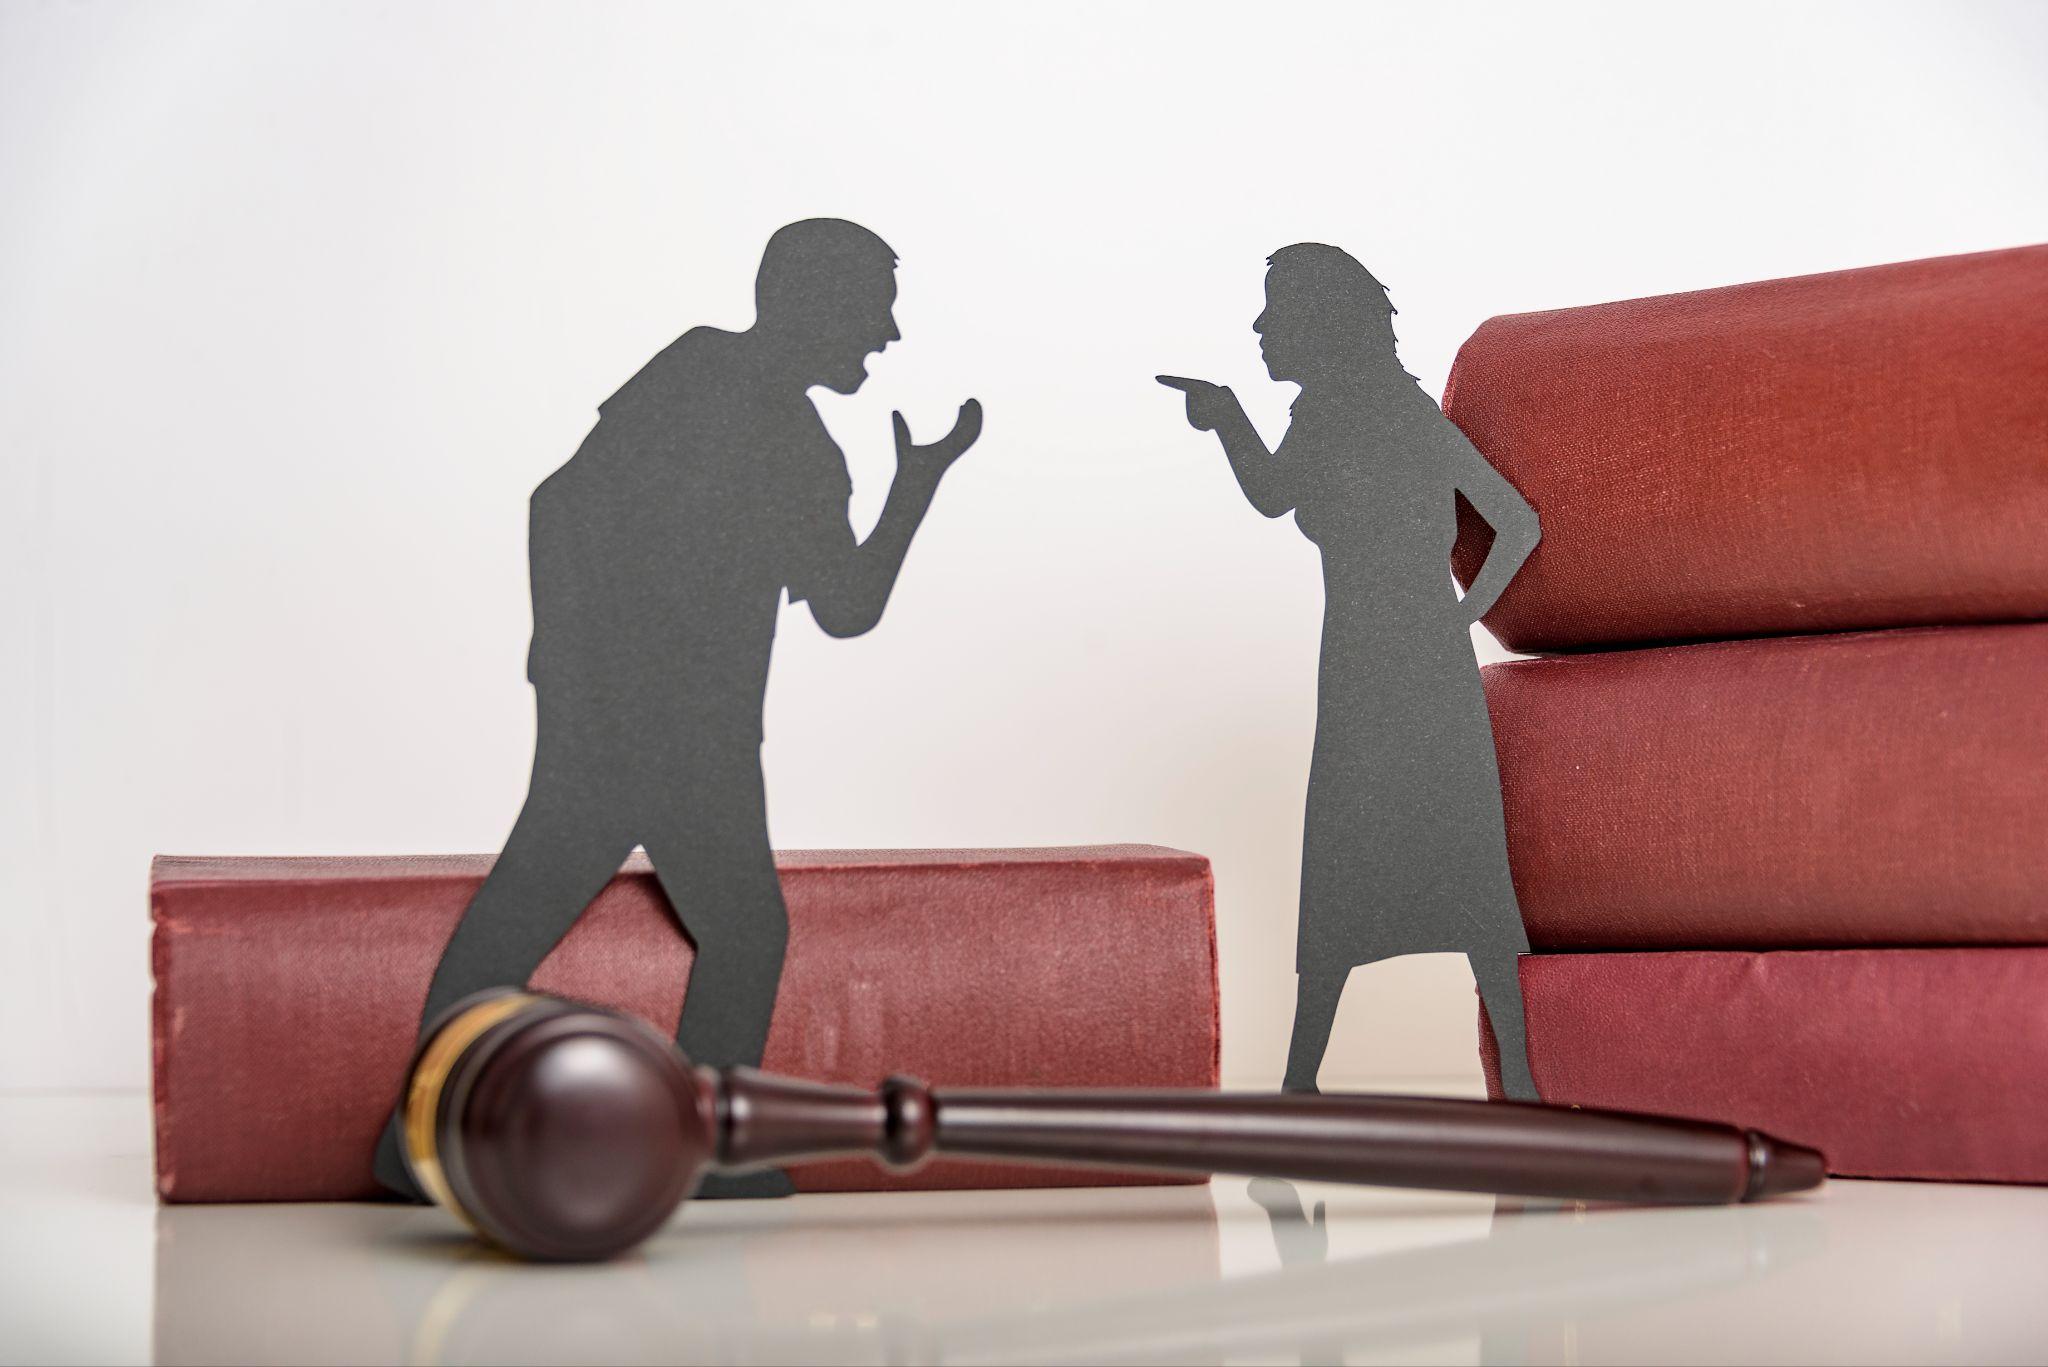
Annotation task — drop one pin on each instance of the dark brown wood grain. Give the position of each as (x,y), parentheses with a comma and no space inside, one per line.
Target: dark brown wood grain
(567,1132)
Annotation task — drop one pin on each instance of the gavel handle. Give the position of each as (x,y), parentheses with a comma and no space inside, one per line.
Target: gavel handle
(1394,1141)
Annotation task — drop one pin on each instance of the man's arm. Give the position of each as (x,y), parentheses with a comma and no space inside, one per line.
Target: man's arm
(849,583)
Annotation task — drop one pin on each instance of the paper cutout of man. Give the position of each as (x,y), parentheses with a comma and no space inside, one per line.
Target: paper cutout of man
(659,555)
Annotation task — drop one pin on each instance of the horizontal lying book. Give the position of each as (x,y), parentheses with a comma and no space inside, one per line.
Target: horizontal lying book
(288,994)
(1920,1063)
(1866,788)
(1867,448)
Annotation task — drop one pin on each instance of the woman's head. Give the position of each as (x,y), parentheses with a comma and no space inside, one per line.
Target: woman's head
(1325,315)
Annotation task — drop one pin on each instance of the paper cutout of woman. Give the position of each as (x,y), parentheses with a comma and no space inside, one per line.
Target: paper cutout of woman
(1404,849)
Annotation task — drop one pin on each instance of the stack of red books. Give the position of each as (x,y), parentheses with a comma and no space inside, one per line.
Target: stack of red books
(1777,784)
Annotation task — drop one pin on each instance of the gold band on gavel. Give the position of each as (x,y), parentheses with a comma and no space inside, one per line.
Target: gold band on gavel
(423,1092)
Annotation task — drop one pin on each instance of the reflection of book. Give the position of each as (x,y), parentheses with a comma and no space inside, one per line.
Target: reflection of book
(833,1279)
(288,993)
(1893,1062)
(1863,788)
(1079,1277)
(1866,448)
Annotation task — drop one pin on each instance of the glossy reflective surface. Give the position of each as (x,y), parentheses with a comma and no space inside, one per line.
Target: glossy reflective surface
(91,1269)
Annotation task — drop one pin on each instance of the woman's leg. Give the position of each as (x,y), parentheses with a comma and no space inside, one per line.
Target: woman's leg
(718,871)
(1317,993)
(1500,987)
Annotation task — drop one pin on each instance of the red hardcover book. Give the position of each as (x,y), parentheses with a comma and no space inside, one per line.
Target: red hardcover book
(288,994)
(1923,1063)
(1867,788)
(1866,448)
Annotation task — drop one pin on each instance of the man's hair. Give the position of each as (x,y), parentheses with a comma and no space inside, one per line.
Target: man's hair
(807,263)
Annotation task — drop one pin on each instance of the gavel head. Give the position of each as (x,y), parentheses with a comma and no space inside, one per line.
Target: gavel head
(557,1131)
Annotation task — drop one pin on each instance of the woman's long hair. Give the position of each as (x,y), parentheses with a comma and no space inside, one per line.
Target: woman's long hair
(1346,308)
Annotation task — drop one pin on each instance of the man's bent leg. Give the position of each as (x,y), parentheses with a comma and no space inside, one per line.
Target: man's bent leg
(719,873)
(735,918)
(556,860)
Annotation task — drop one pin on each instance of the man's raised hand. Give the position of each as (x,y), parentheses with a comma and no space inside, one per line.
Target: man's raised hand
(936,458)
(1209,405)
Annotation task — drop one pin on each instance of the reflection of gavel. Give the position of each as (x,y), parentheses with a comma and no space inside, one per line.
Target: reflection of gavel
(567,1132)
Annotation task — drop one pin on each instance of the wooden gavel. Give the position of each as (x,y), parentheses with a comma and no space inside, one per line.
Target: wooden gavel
(570,1133)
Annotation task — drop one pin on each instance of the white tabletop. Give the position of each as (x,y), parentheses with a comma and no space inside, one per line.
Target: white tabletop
(92,1270)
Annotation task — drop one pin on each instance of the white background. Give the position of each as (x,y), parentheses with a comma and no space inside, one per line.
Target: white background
(297,304)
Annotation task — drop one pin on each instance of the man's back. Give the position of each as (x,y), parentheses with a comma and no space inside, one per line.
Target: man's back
(659,555)
(661,548)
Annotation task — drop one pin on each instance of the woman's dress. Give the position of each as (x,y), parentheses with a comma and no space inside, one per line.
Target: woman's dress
(1404,849)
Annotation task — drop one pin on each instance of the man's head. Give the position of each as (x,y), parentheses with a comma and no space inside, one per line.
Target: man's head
(824,297)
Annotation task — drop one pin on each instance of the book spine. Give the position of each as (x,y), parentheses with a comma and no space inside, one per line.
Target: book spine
(1900,1063)
(286,1007)
(1873,788)
(1861,449)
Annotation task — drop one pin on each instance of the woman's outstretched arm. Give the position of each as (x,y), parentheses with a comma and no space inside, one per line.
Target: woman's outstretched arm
(1515,527)
(1213,408)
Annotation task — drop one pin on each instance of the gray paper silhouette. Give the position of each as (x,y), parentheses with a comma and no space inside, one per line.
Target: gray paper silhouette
(659,556)
(1404,849)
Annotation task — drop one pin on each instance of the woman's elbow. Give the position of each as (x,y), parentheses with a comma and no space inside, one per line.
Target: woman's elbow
(842,620)
(1517,526)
